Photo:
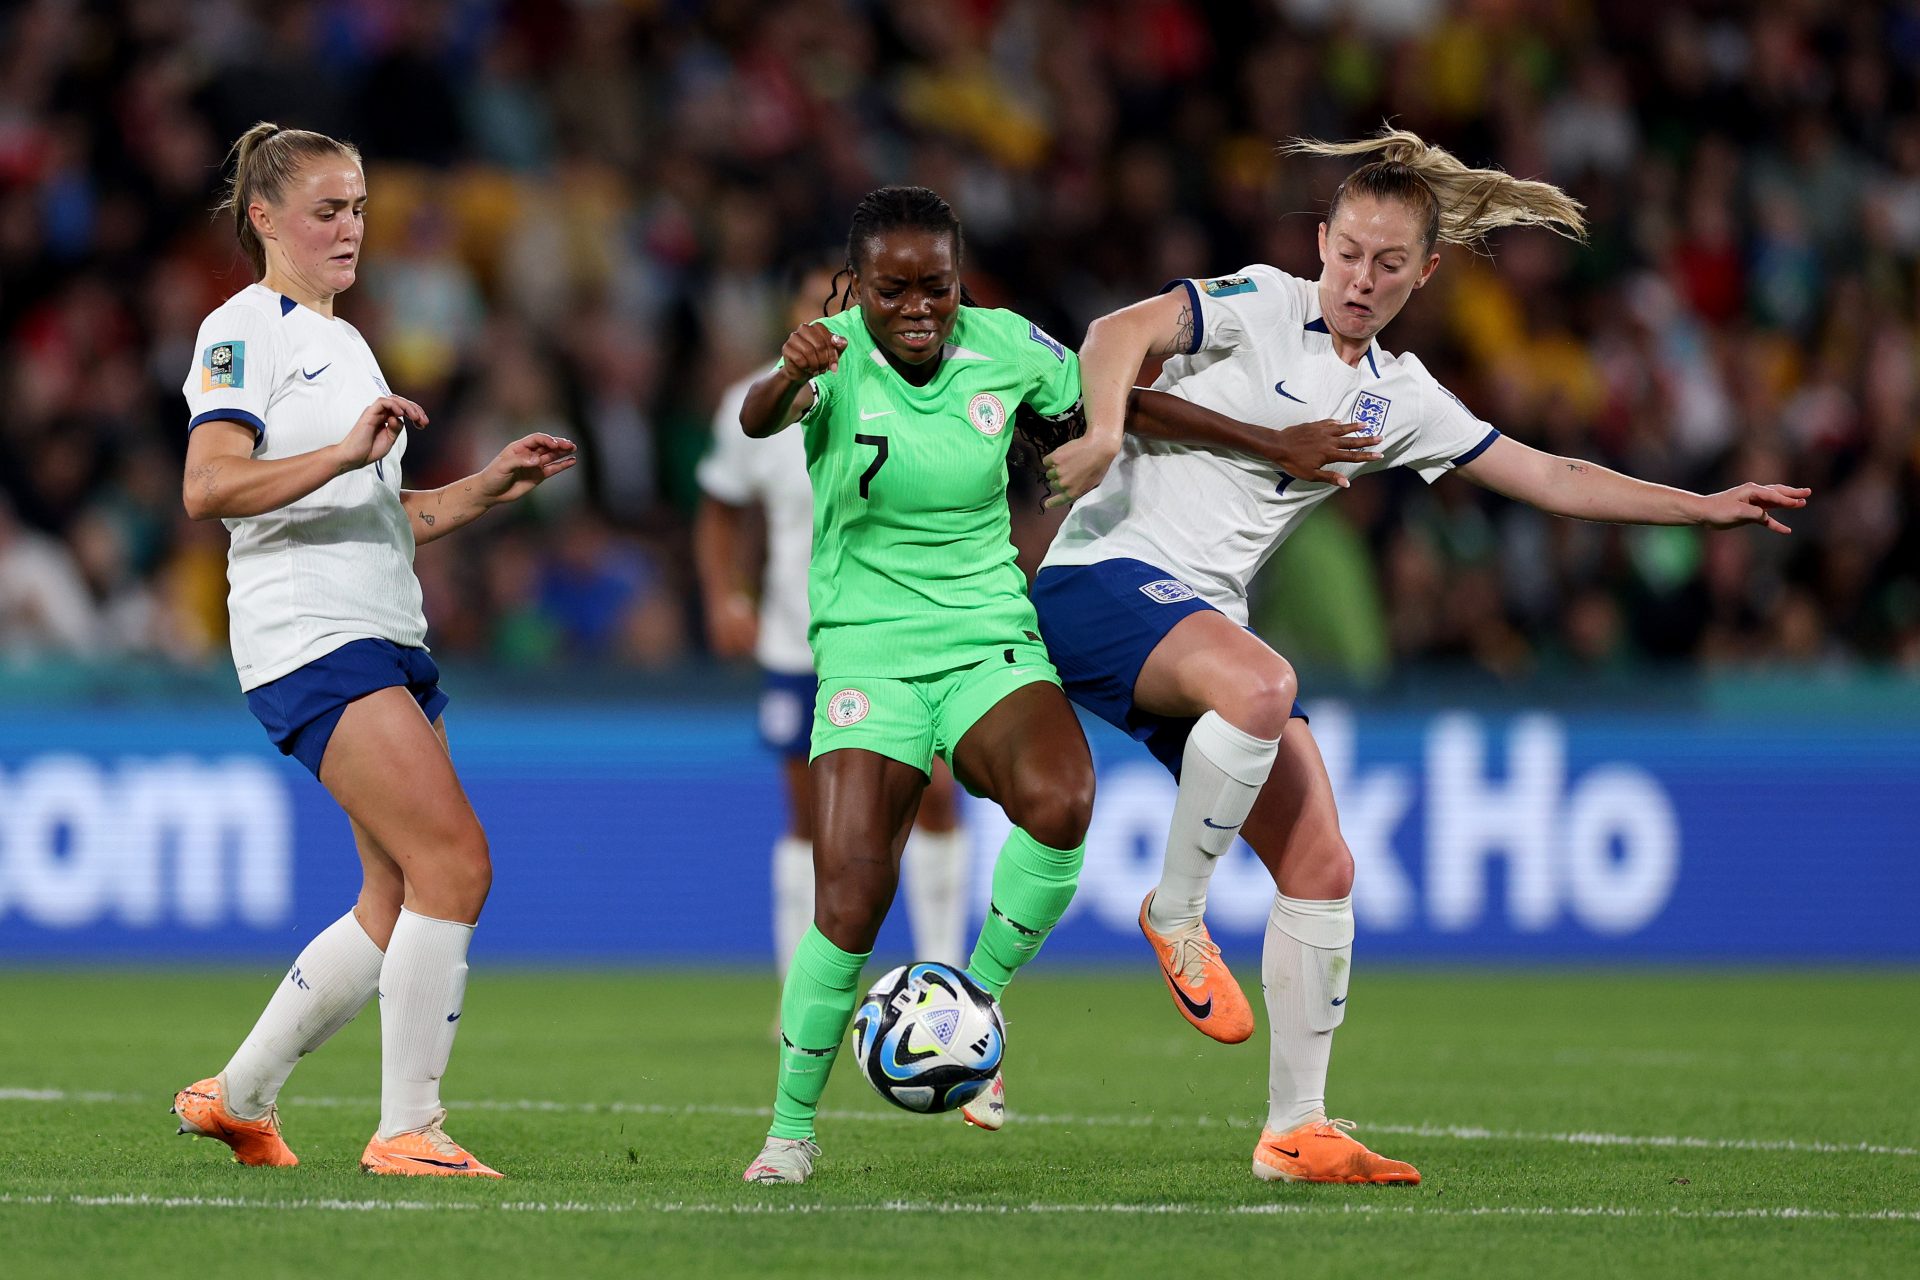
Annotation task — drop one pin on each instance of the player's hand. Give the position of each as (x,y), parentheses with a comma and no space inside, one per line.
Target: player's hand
(1751,504)
(520,467)
(374,432)
(811,350)
(1306,450)
(733,626)
(1077,467)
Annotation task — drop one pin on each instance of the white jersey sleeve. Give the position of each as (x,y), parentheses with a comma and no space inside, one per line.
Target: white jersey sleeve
(1446,433)
(726,473)
(237,365)
(1232,313)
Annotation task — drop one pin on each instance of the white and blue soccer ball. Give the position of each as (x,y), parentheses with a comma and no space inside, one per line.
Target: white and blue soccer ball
(928,1038)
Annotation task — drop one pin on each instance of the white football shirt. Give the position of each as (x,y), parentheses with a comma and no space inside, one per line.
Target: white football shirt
(336,565)
(1261,353)
(741,471)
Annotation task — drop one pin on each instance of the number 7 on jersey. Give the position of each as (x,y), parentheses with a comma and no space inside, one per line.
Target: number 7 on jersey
(879,460)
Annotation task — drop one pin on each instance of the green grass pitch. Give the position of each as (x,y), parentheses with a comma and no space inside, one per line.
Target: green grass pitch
(1649,1123)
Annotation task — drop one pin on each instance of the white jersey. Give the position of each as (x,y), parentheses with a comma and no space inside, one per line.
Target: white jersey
(336,565)
(1261,353)
(741,471)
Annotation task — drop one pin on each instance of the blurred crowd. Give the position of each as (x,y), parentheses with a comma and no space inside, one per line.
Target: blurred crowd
(584,218)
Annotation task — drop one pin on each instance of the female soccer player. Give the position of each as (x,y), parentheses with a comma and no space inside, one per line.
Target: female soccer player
(1142,597)
(921,631)
(739,474)
(296,445)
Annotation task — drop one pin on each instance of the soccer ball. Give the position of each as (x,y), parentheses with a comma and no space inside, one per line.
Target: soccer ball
(928,1038)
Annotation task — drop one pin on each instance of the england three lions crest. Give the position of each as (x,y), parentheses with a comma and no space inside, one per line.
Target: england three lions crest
(1370,414)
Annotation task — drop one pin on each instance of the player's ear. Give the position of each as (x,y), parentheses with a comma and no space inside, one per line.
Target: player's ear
(1426,272)
(261,216)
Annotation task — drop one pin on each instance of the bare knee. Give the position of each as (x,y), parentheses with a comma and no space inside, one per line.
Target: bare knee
(1319,873)
(850,912)
(1260,698)
(452,882)
(1054,806)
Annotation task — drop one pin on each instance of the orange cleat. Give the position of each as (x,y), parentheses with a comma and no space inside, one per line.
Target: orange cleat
(202,1109)
(1321,1151)
(425,1152)
(1203,987)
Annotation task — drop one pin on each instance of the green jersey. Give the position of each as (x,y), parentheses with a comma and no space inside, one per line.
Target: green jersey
(913,561)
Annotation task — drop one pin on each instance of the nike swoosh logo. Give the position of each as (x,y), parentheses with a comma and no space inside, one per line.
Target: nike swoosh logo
(1341,1000)
(454,1017)
(1209,822)
(868,417)
(1281,387)
(1197,1010)
(440,1164)
(317,372)
(1291,1155)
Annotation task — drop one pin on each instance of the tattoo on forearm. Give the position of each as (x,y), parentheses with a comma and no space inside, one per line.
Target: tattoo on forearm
(426,519)
(205,475)
(1577,466)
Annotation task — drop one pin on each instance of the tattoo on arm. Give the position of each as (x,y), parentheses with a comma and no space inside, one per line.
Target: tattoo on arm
(1182,333)
(205,475)
(1577,466)
(426,519)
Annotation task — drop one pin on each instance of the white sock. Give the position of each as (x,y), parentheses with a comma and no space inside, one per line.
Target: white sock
(1221,773)
(422,987)
(792,898)
(331,980)
(1308,958)
(934,878)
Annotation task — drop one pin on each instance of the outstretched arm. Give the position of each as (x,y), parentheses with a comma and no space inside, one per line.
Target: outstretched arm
(1587,491)
(1302,451)
(720,543)
(223,479)
(1109,362)
(514,473)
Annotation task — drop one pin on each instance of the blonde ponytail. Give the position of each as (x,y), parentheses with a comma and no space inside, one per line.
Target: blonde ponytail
(1461,205)
(266,158)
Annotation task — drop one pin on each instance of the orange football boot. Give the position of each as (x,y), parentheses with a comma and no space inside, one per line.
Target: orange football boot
(1321,1151)
(202,1109)
(424,1152)
(1203,987)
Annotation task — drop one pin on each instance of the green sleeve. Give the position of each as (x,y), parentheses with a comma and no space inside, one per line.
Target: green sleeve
(1056,384)
(823,392)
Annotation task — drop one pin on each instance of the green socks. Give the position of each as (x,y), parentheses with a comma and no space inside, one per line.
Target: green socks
(817,1003)
(1032,885)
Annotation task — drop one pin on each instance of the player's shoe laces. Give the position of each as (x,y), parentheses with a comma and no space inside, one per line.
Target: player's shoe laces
(987,1109)
(202,1109)
(1321,1151)
(783,1160)
(1203,987)
(429,1152)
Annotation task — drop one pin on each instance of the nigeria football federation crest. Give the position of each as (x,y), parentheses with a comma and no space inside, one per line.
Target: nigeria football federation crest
(987,414)
(849,706)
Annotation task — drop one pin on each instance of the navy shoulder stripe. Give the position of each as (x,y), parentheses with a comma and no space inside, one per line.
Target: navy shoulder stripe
(1199,316)
(240,416)
(1492,435)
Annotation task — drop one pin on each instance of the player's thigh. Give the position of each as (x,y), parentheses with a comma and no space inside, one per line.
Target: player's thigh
(1209,662)
(872,750)
(940,802)
(1028,755)
(393,774)
(1295,824)
(863,805)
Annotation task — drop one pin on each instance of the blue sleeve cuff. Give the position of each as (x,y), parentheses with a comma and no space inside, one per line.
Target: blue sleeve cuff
(1477,450)
(231,415)
(1199,316)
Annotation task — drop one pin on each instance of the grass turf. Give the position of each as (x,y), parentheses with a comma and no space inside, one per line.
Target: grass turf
(624,1106)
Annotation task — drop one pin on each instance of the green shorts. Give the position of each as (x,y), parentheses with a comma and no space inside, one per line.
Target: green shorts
(910,719)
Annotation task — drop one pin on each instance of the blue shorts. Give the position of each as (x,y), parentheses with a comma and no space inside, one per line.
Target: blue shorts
(786,713)
(1100,621)
(301,708)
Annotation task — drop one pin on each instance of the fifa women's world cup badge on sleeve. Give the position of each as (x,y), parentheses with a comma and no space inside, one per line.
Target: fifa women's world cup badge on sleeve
(223,366)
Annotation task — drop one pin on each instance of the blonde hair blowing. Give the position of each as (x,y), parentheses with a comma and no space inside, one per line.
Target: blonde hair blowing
(266,159)
(1461,205)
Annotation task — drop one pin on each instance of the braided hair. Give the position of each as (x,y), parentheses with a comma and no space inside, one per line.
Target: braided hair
(890,209)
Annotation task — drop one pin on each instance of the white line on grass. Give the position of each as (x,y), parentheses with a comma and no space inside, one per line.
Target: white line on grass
(754,1209)
(1467,1133)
